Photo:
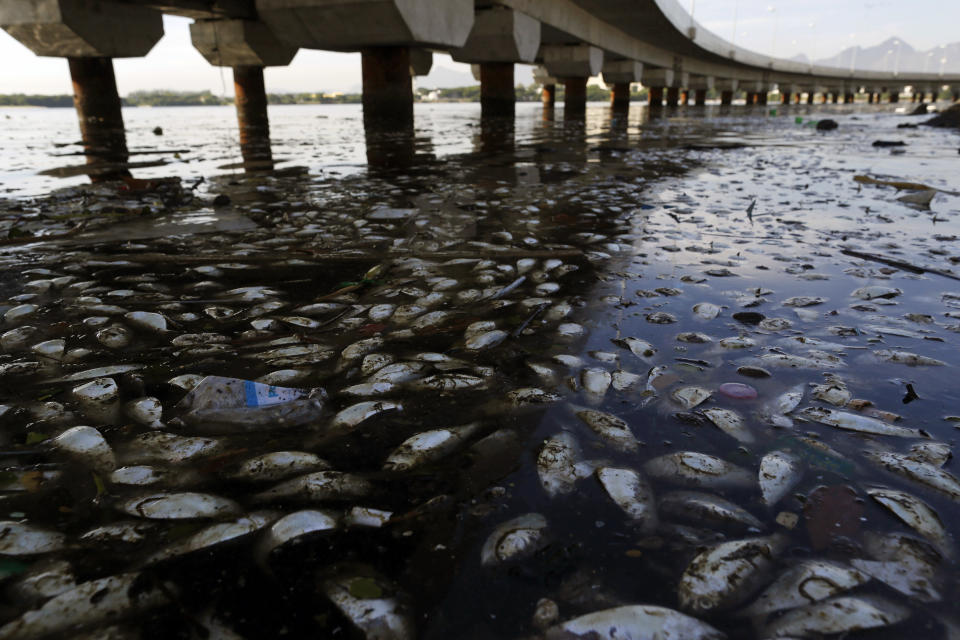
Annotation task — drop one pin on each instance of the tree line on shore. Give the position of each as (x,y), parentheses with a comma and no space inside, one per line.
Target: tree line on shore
(167,98)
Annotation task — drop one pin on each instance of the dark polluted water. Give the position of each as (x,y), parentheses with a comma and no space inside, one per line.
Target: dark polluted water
(682,377)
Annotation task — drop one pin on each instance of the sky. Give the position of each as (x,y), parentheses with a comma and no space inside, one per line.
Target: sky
(817,28)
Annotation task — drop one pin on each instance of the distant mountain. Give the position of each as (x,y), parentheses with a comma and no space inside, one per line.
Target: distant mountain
(894,54)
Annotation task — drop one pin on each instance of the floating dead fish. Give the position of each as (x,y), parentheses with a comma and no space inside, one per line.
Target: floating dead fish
(929,475)
(486,340)
(625,381)
(632,493)
(514,540)
(695,469)
(858,422)
(661,317)
(730,422)
(808,582)
(178,506)
(780,471)
(917,514)
(277,465)
(690,397)
(213,535)
(595,382)
(147,321)
(397,372)
(610,428)
(803,301)
(89,604)
(908,358)
(448,382)
(558,464)
(87,446)
(837,615)
(635,622)
(694,337)
(292,526)
(726,575)
(99,400)
(813,360)
(526,396)
(640,348)
(115,337)
(706,509)
(168,448)
(935,453)
(351,417)
(22,539)
(429,446)
(146,411)
(875,291)
(317,487)
(738,342)
(370,603)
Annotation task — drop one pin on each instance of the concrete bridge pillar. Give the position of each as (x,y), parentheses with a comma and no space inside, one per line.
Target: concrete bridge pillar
(810,96)
(700,97)
(673,96)
(621,74)
(575,64)
(726,98)
(384,32)
(727,87)
(549,95)
(848,98)
(620,96)
(247,46)
(499,38)
(656,97)
(835,97)
(785,97)
(89,34)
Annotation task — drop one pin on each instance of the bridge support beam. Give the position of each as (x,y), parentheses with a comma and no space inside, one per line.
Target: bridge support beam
(497,95)
(101,121)
(387,87)
(656,97)
(620,96)
(248,46)
(673,96)
(575,98)
(251,101)
(89,40)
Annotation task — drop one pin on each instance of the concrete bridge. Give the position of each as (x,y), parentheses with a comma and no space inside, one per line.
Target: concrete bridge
(654,42)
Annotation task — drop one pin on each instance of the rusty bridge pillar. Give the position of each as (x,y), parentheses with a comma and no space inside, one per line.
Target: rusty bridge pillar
(549,95)
(387,87)
(97,102)
(251,101)
(700,97)
(673,96)
(575,98)
(656,97)
(620,96)
(726,98)
(497,94)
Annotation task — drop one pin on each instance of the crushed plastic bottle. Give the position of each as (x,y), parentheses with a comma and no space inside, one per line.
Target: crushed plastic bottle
(232,405)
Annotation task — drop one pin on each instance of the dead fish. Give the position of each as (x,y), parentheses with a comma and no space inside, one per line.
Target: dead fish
(429,446)
(358,350)
(178,506)
(690,397)
(99,400)
(558,464)
(625,381)
(146,411)
(780,471)
(277,465)
(837,615)
(635,622)
(916,513)
(87,446)
(920,472)
(813,360)
(908,358)
(706,509)
(448,382)
(397,372)
(319,486)
(595,382)
(514,540)
(727,574)
(935,453)
(168,448)
(89,604)
(730,422)
(706,310)
(834,392)
(737,342)
(527,396)
(354,415)
(803,301)
(875,291)
(213,535)
(695,469)
(808,582)
(486,340)
(610,428)
(904,563)
(293,526)
(857,422)
(23,539)
(640,348)
(632,493)
(147,321)
(370,603)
